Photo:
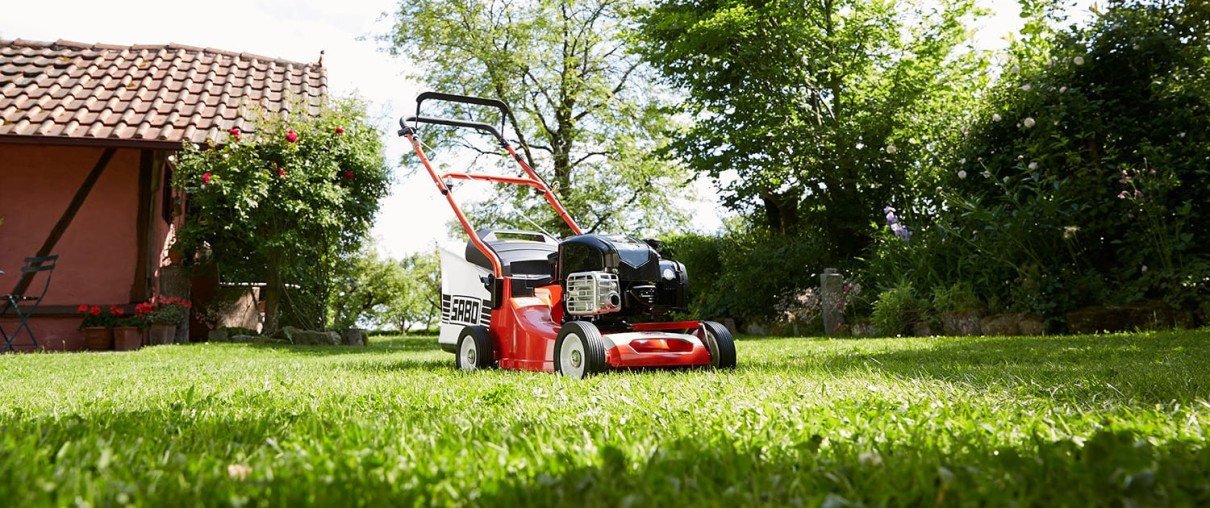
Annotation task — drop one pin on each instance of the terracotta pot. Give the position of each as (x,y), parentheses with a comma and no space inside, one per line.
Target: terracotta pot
(127,338)
(161,333)
(98,338)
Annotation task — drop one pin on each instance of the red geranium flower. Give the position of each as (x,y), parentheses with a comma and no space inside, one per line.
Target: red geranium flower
(95,310)
(82,309)
(234,133)
(281,172)
(340,130)
(348,175)
(117,311)
(144,309)
(205,178)
(291,136)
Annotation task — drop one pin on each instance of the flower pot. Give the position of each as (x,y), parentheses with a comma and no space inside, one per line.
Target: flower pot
(127,338)
(161,333)
(98,338)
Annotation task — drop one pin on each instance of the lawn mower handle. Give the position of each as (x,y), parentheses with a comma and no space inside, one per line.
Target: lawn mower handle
(506,114)
(531,177)
(404,128)
(465,99)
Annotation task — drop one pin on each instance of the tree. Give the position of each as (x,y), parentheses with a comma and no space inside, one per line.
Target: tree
(564,66)
(827,110)
(285,204)
(388,293)
(422,304)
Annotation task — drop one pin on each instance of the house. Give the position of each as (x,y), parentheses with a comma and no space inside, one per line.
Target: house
(86,137)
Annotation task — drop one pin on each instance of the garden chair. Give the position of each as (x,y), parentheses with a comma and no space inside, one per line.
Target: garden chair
(12,302)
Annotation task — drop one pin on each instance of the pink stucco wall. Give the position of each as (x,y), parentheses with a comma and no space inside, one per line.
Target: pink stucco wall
(97,253)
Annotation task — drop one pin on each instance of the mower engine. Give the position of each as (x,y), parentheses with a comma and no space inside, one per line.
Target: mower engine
(617,276)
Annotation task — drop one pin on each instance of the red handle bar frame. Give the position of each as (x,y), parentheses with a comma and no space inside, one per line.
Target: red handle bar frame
(531,178)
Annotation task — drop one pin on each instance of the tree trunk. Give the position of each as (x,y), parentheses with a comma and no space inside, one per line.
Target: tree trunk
(273,290)
(781,211)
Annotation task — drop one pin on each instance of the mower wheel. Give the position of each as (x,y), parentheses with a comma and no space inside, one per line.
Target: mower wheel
(720,344)
(579,350)
(474,349)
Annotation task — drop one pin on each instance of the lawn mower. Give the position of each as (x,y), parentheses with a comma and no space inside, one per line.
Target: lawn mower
(578,306)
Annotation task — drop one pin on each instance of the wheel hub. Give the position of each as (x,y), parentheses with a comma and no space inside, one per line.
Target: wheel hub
(575,359)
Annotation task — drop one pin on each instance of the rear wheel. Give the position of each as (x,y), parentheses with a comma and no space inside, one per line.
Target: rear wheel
(579,350)
(474,349)
(721,345)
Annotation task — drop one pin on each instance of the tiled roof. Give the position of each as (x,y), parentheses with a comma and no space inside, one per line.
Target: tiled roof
(165,93)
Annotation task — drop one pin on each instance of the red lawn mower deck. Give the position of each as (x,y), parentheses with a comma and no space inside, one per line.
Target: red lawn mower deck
(578,306)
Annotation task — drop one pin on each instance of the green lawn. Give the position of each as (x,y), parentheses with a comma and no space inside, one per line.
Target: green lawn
(1041,421)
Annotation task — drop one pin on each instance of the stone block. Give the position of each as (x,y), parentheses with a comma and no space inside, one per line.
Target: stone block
(961,323)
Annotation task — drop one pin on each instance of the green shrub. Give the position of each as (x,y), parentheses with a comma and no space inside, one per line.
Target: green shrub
(896,310)
(959,297)
(746,272)
(1081,180)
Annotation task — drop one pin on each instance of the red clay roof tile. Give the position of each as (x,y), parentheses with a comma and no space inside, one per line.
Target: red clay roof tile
(145,92)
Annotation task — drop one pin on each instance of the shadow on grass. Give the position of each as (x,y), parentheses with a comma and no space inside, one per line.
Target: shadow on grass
(1111,468)
(1148,369)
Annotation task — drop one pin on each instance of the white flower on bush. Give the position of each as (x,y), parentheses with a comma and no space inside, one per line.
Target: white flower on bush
(1079,60)
(962,160)
(1029,122)
(1033,166)
(1026,87)
(1016,69)
(891,149)
(870,458)
(986,174)
(961,174)
(860,146)
(1063,89)
(996,117)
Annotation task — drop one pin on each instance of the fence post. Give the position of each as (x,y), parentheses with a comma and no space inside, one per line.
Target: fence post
(831,287)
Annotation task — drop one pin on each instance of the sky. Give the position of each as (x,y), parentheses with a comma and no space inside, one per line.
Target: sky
(414,216)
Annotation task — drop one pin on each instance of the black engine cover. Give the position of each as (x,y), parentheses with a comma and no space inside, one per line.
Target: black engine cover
(630,259)
(637,265)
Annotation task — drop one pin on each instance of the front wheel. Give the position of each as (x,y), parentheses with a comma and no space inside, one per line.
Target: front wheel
(474,349)
(579,350)
(721,345)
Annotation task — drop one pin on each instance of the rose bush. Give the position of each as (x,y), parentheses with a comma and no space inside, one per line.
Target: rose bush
(283,203)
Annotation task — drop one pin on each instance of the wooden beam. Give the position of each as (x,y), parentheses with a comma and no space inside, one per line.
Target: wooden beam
(138,290)
(65,220)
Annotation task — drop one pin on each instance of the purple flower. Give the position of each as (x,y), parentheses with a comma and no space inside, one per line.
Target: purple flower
(891,219)
(1123,195)
(902,232)
(1138,193)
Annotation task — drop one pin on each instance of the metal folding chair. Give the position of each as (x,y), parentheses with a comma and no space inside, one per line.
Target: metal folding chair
(12,302)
